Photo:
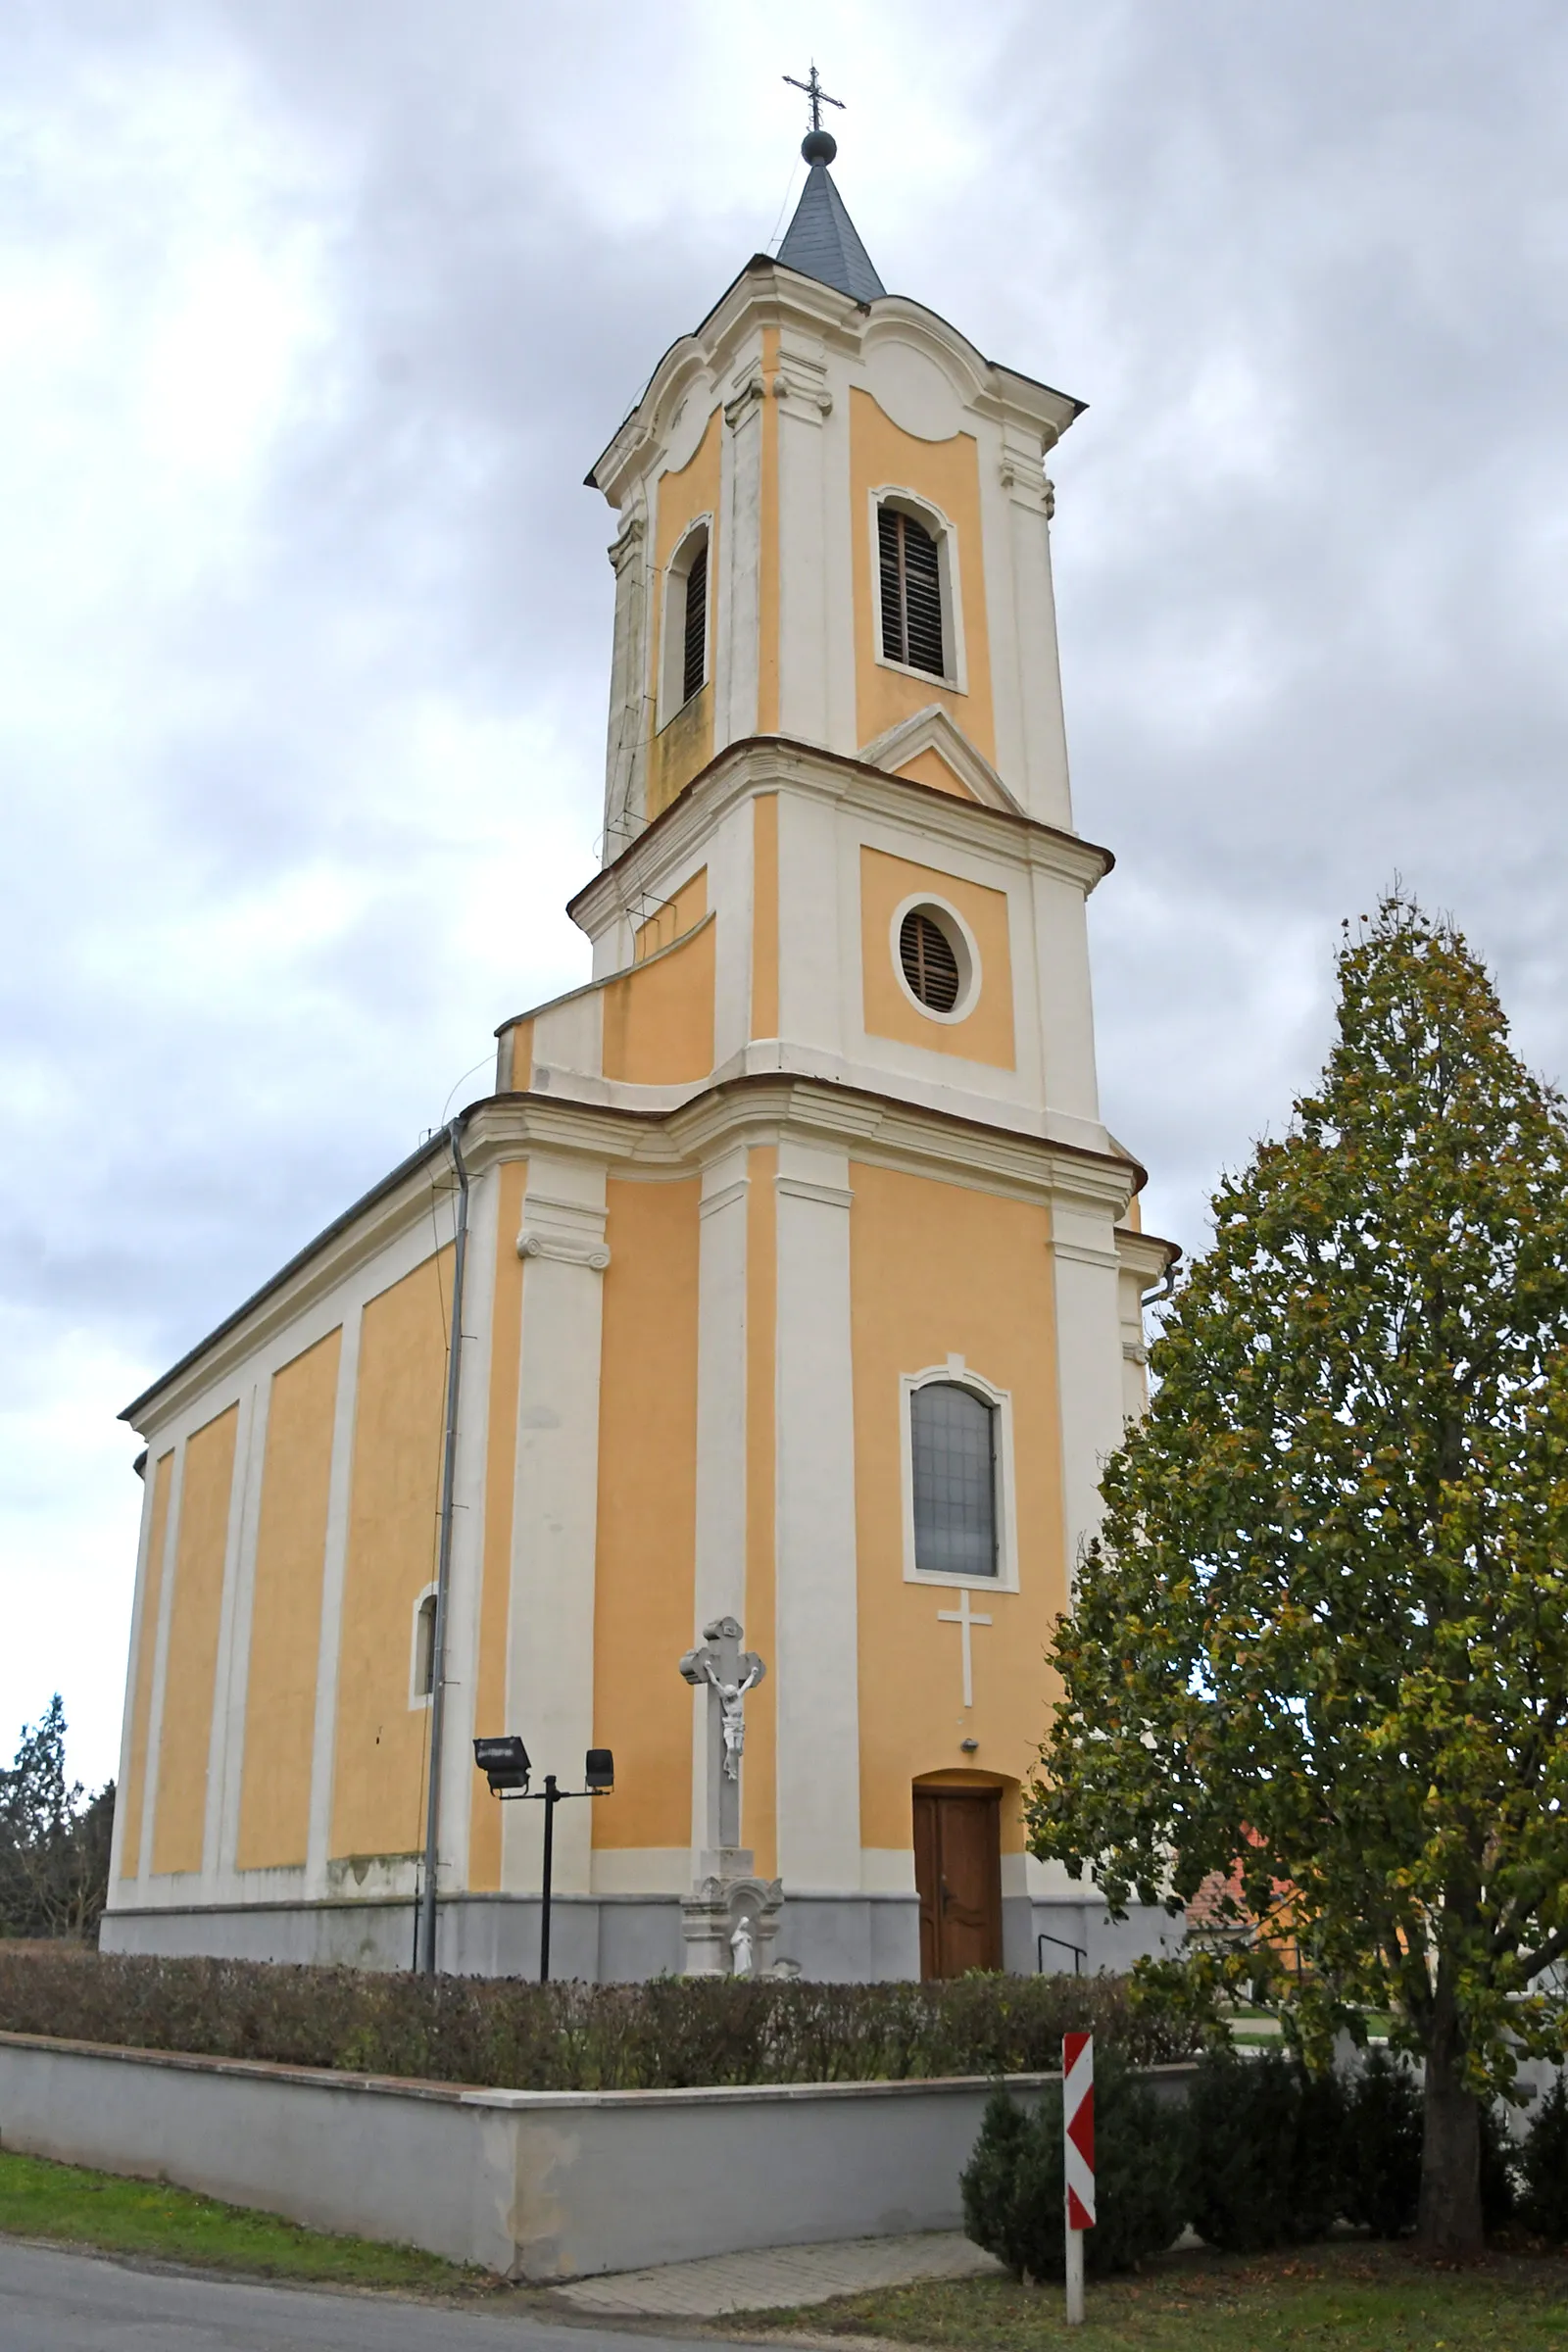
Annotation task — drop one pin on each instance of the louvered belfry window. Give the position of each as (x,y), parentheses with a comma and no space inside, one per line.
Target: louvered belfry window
(929,962)
(911,592)
(694,649)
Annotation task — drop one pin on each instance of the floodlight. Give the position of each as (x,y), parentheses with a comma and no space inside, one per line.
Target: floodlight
(599,1772)
(504,1762)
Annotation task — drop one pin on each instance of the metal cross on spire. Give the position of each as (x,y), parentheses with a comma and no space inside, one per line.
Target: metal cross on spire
(812,87)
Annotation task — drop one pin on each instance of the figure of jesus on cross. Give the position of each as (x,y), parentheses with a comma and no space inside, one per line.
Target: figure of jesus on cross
(727,1672)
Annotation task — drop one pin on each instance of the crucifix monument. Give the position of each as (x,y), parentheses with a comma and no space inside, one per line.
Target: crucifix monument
(731,1914)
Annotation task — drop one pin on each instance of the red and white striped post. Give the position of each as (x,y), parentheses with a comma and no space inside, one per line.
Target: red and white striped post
(1078,2154)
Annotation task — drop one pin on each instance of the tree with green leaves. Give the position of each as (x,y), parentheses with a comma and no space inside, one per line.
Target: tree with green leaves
(1317,1663)
(54,1839)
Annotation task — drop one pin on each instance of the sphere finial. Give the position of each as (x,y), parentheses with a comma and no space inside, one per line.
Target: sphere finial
(818,146)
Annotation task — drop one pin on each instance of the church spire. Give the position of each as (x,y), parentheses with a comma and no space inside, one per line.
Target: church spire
(822,241)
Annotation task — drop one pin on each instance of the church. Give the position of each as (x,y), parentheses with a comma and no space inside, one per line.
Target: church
(786,1281)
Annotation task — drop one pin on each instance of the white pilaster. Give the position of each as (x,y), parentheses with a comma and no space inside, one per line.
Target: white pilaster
(323,1736)
(816,1611)
(550,1664)
(720,1562)
(801,391)
(1034,688)
(468,1532)
(629,670)
(1089,1361)
(138,1624)
(737,631)
(155,1709)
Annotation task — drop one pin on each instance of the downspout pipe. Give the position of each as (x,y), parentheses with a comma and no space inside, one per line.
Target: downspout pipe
(425,1944)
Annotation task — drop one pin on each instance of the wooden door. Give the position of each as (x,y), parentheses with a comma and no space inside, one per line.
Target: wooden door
(958,1872)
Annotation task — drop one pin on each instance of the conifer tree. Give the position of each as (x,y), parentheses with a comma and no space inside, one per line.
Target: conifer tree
(54,1839)
(1320,1647)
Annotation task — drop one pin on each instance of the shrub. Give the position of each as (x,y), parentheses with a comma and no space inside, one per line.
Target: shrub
(1264,2151)
(1500,2169)
(1544,2167)
(668,2034)
(1013,2188)
(1383,2147)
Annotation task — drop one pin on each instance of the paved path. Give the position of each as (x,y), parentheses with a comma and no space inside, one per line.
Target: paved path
(58,2302)
(777,2277)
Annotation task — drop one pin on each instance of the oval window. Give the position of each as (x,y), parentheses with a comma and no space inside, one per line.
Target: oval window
(929,955)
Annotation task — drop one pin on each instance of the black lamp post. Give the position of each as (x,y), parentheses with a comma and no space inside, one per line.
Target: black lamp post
(505,1765)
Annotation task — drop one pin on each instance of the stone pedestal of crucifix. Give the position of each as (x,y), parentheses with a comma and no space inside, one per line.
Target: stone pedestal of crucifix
(731,1916)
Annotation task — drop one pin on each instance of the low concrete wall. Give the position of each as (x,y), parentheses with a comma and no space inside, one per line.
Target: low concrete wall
(535,2184)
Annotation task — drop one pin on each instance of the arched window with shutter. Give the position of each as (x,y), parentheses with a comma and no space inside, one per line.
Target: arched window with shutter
(684,661)
(912,592)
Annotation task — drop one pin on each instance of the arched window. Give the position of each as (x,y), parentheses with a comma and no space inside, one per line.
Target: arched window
(683,663)
(424,1647)
(909,579)
(953,1436)
(694,640)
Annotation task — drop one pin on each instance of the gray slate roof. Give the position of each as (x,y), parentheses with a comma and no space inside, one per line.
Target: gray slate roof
(821,241)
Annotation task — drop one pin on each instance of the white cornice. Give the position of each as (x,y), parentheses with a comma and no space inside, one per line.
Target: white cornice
(776,764)
(767,295)
(675,1143)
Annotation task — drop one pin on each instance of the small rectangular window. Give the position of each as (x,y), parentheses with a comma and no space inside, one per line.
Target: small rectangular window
(693,655)
(910,575)
(953,1448)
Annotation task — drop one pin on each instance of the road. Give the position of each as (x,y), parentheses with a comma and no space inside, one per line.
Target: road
(58,2302)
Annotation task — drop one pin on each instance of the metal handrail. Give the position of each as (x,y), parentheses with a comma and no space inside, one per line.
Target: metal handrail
(1078,1951)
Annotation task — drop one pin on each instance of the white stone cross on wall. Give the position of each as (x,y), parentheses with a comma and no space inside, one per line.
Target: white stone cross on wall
(964,1617)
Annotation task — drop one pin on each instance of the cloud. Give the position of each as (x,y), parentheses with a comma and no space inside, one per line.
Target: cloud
(311,321)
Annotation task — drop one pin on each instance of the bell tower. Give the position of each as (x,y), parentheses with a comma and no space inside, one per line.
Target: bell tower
(833,526)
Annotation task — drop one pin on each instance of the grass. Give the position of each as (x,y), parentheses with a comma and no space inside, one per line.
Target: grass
(1356,2298)
(74,2207)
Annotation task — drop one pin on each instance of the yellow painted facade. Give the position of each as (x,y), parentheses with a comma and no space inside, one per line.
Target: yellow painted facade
(985,1033)
(517,1070)
(984,1295)
(647,1511)
(274,1815)
(946,475)
(658,1017)
(929,768)
(200,1545)
(378,1777)
(146,1659)
(679,913)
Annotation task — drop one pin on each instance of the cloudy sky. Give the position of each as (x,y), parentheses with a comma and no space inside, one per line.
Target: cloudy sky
(311,317)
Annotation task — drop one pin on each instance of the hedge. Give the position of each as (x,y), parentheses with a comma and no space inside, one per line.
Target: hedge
(670,2034)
